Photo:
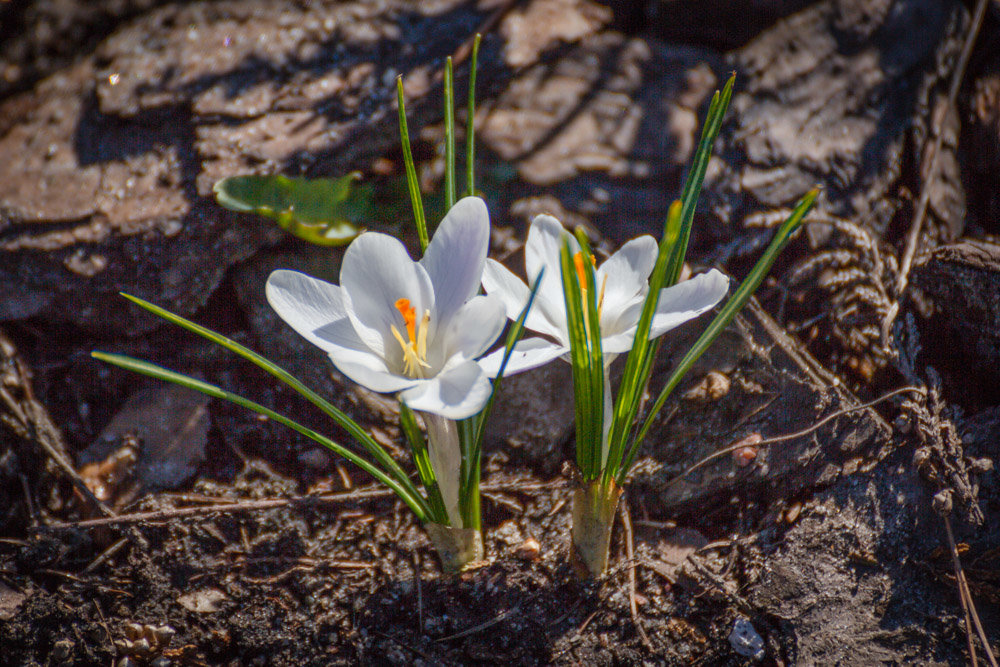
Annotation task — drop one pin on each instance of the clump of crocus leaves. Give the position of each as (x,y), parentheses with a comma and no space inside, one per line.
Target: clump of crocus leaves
(593,313)
(419,329)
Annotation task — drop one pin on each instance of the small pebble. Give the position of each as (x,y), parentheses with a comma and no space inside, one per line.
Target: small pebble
(712,387)
(163,634)
(529,550)
(133,630)
(61,650)
(142,648)
(745,640)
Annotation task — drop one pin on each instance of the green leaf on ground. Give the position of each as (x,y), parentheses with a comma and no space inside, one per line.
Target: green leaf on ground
(323,211)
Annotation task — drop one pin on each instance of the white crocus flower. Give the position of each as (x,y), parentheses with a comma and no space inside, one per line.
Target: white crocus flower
(395,325)
(622,283)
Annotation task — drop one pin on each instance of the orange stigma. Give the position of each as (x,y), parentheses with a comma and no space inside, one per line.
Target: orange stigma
(578,263)
(409,314)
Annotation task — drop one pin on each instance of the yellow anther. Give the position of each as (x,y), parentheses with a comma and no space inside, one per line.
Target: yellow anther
(425,322)
(415,348)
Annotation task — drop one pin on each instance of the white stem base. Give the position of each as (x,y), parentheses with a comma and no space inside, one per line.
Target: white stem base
(456,547)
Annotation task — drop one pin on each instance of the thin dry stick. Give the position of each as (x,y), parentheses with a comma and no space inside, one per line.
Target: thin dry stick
(913,237)
(242,506)
(34,423)
(257,505)
(791,436)
(630,554)
(105,555)
(420,591)
(104,623)
(968,605)
(488,624)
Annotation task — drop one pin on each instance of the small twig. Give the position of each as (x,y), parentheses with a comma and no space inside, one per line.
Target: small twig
(791,436)
(482,626)
(256,505)
(105,555)
(630,554)
(34,423)
(242,506)
(583,626)
(420,591)
(104,623)
(32,513)
(968,605)
(913,237)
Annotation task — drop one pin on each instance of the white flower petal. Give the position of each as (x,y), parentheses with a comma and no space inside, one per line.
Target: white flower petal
(626,274)
(542,249)
(625,319)
(338,336)
(688,300)
(618,343)
(455,393)
(455,256)
(369,371)
(474,327)
(305,303)
(528,353)
(499,281)
(376,272)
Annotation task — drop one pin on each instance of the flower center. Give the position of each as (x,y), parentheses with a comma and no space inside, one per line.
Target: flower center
(415,344)
(580,265)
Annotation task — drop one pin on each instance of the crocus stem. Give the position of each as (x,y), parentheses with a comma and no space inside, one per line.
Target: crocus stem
(609,413)
(594,507)
(445,454)
(456,547)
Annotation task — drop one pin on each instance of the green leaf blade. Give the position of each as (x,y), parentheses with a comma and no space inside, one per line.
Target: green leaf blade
(323,211)
(338,416)
(696,177)
(449,133)
(413,500)
(722,320)
(412,182)
(470,122)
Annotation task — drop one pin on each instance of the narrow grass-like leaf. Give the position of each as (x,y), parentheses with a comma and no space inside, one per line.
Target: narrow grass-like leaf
(470,122)
(579,357)
(669,263)
(421,458)
(468,485)
(449,134)
(410,497)
(639,363)
(338,416)
(584,265)
(412,183)
(478,421)
(513,335)
(695,178)
(722,320)
(588,380)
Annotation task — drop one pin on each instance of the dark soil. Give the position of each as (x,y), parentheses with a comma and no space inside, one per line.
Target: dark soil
(225,539)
